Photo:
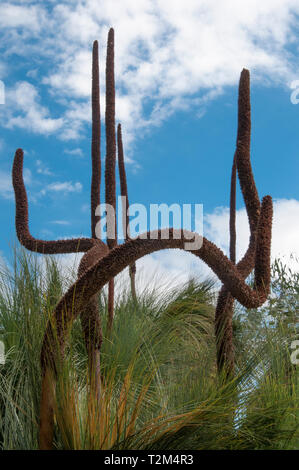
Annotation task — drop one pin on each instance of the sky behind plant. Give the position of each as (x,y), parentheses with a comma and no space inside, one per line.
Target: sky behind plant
(177,71)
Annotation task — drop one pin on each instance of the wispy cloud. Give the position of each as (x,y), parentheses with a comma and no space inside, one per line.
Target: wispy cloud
(76,152)
(179,266)
(31,17)
(42,169)
(64,187)
(31,115)
(284,232)
(5,185)
(60,222)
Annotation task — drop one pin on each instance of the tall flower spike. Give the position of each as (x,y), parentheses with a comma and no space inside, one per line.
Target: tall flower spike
(96,138)
(110,132)
(90,319)
(110,158)
(125,208)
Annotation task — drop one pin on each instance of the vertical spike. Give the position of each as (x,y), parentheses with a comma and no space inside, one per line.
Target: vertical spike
(110,130)
(90,319)
(96,138)
(110,156)
(123,181)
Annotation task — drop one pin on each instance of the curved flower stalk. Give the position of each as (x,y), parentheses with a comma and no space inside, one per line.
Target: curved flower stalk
(73,245)
(241,163)
(122,256)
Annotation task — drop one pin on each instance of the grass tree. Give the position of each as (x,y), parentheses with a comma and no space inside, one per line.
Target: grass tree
(102,262)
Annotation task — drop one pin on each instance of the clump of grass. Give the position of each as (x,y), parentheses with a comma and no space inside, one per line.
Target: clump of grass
(159,387)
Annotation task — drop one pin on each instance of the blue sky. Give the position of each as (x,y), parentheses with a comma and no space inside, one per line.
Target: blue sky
(177,72)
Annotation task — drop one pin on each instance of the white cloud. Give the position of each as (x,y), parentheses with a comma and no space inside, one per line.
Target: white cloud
(31,115)
(285,230)
(42,169)
(167,269)
(60,222)
(65,187)
(67,265)
(77,152)
(15,16)
(175,266)
(5,185)
(27,176)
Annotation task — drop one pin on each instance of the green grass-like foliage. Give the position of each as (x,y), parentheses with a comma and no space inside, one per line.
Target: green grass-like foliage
(160,389)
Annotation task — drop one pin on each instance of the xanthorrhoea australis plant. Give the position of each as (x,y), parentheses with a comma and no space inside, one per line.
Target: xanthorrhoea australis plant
(230,274)
(101,262)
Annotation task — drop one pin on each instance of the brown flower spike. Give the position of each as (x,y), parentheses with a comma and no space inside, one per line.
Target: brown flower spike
(110,156)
